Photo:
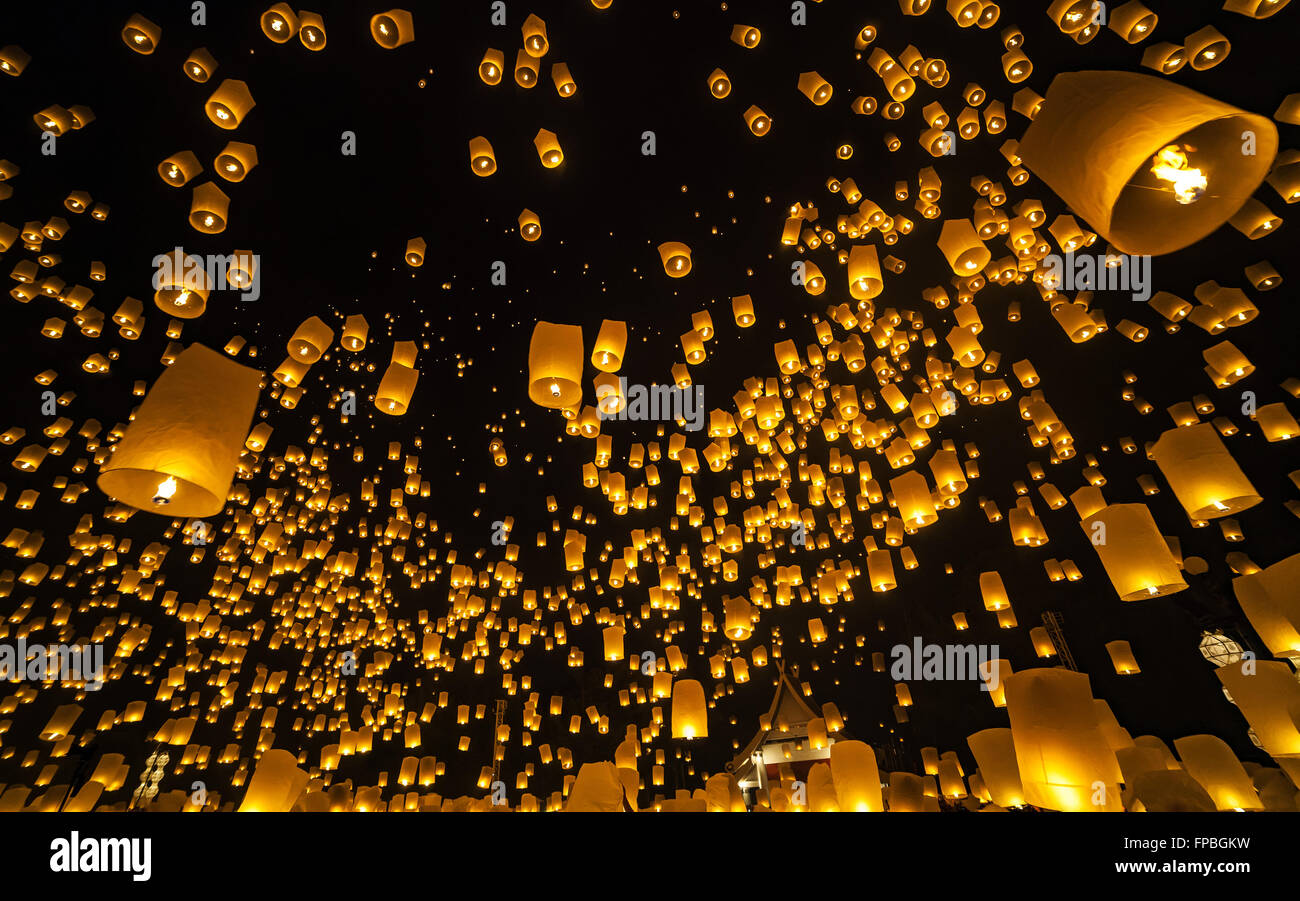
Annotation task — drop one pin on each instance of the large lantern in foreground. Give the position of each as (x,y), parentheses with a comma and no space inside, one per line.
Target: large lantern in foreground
(1204,476)
(555,365)
(1133,551)
(1061,752)
(178,456)
(1151,165)
(690,711)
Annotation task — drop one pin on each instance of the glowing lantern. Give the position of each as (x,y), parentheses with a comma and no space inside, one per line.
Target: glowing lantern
(482,160)
(815,88)
(1210,762)
(962,247)
(141,35)
(530,227)
(856,777)
(209,207)
(392,29)
(276,784)
(229,104)
(178,456)
(758,121)
(719,84)
(555,365)
(746,36)
(396,388)
(676,258)
(311,30)
(235,161)
(311,339)
(690,710)
(1204,476)
(548,148)
(1060,750)
(1146,192)
(611,343)
(1121,656)
(492,66)
(279,23)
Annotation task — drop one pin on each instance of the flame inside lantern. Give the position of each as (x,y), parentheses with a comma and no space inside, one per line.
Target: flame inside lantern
(1170,164)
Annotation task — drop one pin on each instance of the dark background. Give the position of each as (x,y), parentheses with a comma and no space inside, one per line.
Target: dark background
(331,230)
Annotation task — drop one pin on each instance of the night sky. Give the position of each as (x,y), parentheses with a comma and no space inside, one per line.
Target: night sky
(331,229)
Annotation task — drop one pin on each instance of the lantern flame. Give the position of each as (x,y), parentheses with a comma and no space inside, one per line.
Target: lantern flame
(1171,166)
(166,491)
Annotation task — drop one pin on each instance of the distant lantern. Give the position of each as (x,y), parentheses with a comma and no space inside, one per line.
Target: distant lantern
(396,389)
(141,35)
(758,121)
(1203,474)
(864,272)
(310,340)
(355,331)
(611,344)
(393,28)
(492,66)
(690,710)
(179,168)
(178,455)
(229,104)
(183,286)
(311,30)
(1121,657)
(742,309)
(208,209)
(235,161)
(815,88)
(13,59)
(746,36)
(676,258)
(548,148)
(530,226)
(415,248)
(279,23)
(534,34)
(555,361)
(1134,553)
(719,84)
(1160,179)
(200,65)
(525,70)
(563,80)
(482,159)
(961,245)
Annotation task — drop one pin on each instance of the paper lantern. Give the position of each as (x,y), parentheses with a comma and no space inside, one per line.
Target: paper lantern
(856,777)
(525,70)
(563,80)
(1202,473)
(912,496)
(179,168)
(864,273)
(815,88)
(279,23)
(555,365)
(611,343)
(1269,600)
(961,245)
(530,227)
(235,161)
(719,84)
(209,207)
(1267,696)
(178,456)
(141,35)
(906,792)
(392,29)
(492,66)
(995,754)
(276,784)
(229,104)
(1121,657)
(396,388)
(690,710)
(746,36)
(415,248)
(1255,9)
(355,331)
(13,59)
(482,159)
(311,30)
(758,121)
(1060,751)
(548,148)
(1144,191)
(200,65)
(1210,762)
(183,286)
(676,258)
(311,339)
(1133,552)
